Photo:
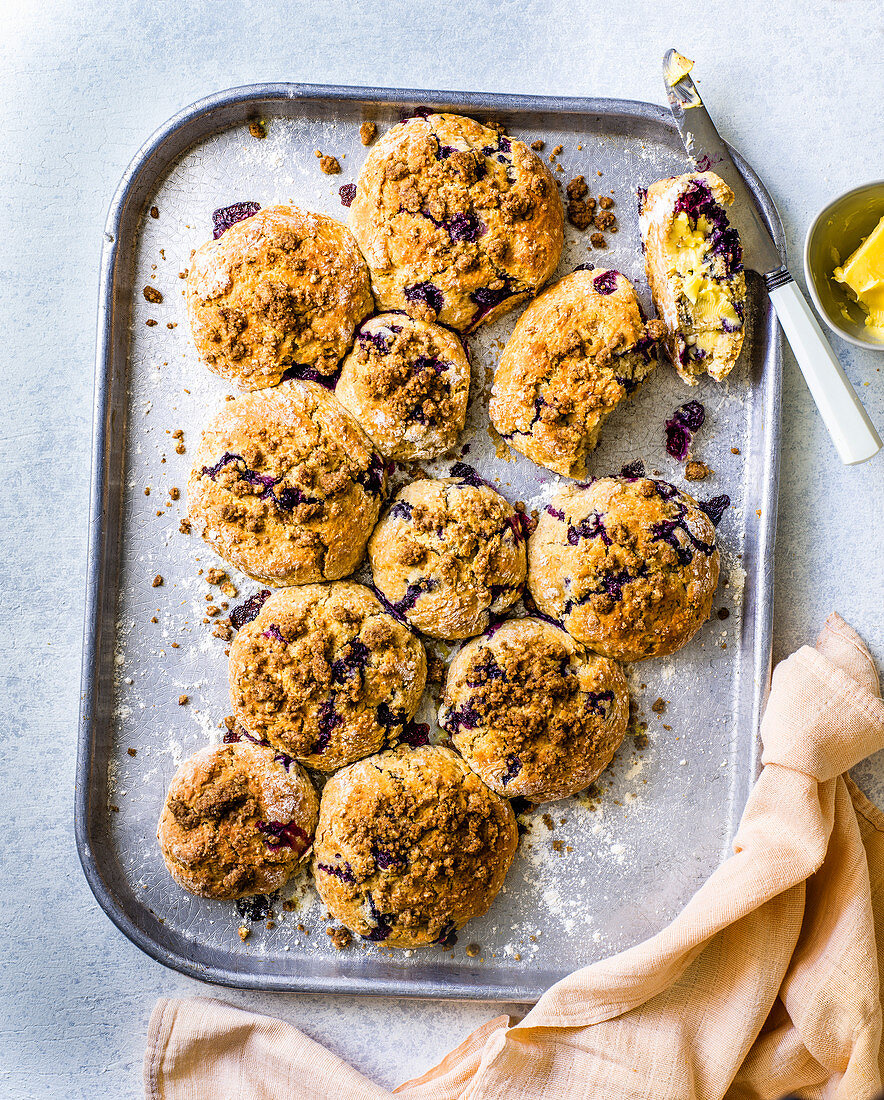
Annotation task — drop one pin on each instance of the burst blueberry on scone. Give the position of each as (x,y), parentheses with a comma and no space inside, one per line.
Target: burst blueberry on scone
(694,263)
(576,352)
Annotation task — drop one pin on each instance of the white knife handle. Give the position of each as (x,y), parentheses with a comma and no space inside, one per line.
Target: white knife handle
(847,421)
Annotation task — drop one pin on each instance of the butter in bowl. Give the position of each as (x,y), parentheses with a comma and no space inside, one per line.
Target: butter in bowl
(844,265)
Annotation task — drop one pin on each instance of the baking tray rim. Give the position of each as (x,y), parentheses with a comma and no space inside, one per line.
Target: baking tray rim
(99,539)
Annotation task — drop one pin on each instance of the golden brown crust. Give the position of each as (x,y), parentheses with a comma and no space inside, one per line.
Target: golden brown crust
(447,554)
(532,713)
(667,286)
(286,485)
(458,223)
(237,820)
(325,675)
(628,566)
(279,288)
(574,354)
(407,383)
(411,845)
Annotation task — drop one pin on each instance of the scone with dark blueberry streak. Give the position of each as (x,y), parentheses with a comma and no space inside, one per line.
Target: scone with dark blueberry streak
(694,262)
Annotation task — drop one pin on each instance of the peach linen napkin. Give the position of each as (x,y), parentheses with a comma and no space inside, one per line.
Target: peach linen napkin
(766,983)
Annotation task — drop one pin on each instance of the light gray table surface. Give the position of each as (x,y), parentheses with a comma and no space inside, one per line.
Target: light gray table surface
(796,87)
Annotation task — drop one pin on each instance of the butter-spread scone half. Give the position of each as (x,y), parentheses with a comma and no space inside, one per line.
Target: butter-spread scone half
(282,289)
(575,353)
(286,486)
(238,820)
(458,222)
(411,845)
(325,674)
(532,712)
(694,263)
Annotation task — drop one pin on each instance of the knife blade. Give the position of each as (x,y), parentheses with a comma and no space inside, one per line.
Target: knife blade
(848,423)
(709,153)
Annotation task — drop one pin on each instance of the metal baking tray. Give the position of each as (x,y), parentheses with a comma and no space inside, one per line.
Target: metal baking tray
(609,873)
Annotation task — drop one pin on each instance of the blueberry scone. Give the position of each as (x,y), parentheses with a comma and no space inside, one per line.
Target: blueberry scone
(325,675)
(458,223)
(407,382)
(237,820)
(628,566)
(694,263)
(532,712)
(575,353)
(411,845)
(286,485)
(448,554)
(279,289)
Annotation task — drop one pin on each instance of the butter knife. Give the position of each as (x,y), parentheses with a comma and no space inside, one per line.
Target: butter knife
(848,423)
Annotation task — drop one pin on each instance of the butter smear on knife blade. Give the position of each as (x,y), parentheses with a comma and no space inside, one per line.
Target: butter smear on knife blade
(863,274)
(677,66)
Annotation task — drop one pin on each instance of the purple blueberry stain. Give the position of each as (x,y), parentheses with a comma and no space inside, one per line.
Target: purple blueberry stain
(714,508)
(275,634)
(697,201)
(487,298)
(464,227)
(347,193)
(389,718)
(427,293)
(593,526)
(384,859)
(345,873)
(284,759)
(556,513)
(446,937)
(257,907)
(328,720)
(248,610)
(284,835)
(402,509)
(377,340)
(354,659)
(226,216)
(304,372)
(381,921)
(595,701)
(467,475)
(680,428)
(464,717)
(415,734)
(632,471)
(373,479)
(513,767)
(606,283)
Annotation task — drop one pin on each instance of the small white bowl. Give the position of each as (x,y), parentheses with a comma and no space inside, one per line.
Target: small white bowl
(837,231)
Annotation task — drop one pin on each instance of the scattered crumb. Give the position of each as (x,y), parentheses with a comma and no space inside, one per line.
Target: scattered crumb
(537,145)
(183,700)
(723,613)
(659,706)
(473,949)
(180,449)
(174,492)
(171,324)
(151,294)
(184,527)
(150,322)
(577,188)
(147,490)
(270,925)
(223,630)
(258,128)
(158,580)
(216,576)
(368,131)
(289,905)
(558,846)
(178,433)
(132,752)
(244,932)
(340,937)
(735,450)
(605,202)
(559,149)
(114,809)
(154,212)
(548,821)
(696,471)
(328,164)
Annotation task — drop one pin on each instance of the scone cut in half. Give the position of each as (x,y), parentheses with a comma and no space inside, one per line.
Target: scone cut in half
(694,263)
(575,353)
(458,222)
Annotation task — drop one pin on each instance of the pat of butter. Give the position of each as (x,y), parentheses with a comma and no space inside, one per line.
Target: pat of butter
(711,303)
(863,273)
(677,67)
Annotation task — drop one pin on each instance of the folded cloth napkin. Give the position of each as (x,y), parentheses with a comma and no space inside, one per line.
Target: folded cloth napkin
(766,983)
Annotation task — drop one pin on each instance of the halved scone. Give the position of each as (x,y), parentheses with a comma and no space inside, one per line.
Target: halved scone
(576,352)
(694,262)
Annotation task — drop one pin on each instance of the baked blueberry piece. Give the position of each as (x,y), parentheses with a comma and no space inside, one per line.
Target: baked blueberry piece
(628,566)
(407,382)
(325,674)
(458,222)
(282,288)
(411,845)
(286,485)
(694,263)
(531,712)
(575,353)
(237,820)
(447,554)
